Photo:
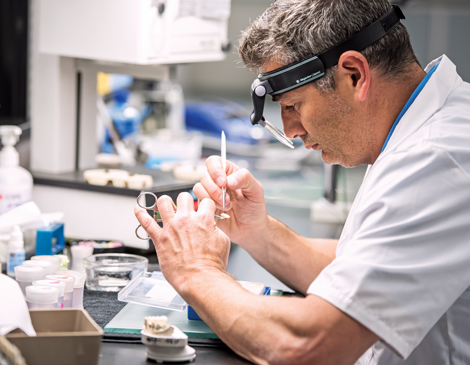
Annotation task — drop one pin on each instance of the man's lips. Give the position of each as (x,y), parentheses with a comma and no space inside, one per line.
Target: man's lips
(315,146)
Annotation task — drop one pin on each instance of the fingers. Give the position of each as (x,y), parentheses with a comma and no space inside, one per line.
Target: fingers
(185,203)
(147,222)
(209,189)
(207,209)
(167,208)
(216,171)
(200,192)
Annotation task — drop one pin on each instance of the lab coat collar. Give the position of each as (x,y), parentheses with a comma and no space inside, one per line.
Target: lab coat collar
(428,102)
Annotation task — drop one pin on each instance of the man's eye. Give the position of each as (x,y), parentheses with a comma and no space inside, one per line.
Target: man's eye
(290,107)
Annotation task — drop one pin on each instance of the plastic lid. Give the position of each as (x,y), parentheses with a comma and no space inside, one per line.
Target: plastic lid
(81,251)
(45,264)
(16,238)
(54,283)
(67,279)
(56,261)
(29,273)
(79,277)
(42,294)
(64,262)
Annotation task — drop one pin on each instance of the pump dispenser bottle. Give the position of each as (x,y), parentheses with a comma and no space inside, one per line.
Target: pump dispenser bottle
(16,183)
(16,254)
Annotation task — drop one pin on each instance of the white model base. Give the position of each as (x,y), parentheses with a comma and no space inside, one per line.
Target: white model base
(169,346)
(326,212)
(171,354)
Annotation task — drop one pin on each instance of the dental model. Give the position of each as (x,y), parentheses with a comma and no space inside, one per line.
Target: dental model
(157,325)
(165,343)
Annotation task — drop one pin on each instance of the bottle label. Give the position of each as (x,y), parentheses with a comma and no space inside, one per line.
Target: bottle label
(14,196)
(14,259)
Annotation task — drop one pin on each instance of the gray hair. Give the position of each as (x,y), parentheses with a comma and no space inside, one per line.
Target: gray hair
(290,30)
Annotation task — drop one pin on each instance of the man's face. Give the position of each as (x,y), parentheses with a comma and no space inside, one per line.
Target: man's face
(325,121)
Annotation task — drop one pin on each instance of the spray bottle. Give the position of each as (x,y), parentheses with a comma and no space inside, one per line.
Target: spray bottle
(16,183)
(16,254)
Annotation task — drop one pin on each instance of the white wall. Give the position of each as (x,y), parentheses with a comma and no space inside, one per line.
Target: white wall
(435,26)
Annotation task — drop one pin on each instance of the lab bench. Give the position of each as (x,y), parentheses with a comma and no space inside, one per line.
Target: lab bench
(124,353)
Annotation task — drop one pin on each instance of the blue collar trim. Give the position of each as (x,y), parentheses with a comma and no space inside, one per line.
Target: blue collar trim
(408,104)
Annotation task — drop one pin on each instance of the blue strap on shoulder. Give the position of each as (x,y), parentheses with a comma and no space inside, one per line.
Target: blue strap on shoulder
(408,104)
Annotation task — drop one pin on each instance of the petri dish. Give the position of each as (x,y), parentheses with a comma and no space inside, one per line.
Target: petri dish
(112,272)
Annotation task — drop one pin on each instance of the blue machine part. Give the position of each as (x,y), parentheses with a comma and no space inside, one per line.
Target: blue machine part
(50,240)
(126,119)
(212,117)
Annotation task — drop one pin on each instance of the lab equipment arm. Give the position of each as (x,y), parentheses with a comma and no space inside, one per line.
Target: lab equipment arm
(293,259)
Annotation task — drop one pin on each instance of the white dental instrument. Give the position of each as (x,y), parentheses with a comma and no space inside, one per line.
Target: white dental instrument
(223,155)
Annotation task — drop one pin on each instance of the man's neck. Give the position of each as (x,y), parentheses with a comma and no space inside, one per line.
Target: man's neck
(388,108)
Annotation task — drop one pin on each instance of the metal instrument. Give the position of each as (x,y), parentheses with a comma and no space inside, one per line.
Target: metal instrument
(153,207)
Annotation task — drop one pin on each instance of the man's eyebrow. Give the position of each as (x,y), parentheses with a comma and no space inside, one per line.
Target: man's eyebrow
(277,98)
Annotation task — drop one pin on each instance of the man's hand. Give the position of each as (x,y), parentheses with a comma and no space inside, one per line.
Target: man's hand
(244,201)
(189,241)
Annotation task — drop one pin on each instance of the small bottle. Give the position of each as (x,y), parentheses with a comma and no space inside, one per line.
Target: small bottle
(16,183)
(16,254)
(45,264)
(56,261)
(78,287)
(25,275)
(41,297)
(69,284)
(55,284)
(79,252)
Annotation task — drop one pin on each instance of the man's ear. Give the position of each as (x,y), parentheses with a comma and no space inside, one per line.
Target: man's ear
(354,74)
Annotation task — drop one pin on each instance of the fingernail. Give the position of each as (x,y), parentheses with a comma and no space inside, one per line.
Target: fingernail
(220,181)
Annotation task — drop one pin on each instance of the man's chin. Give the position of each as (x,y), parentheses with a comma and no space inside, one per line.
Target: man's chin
(330,159)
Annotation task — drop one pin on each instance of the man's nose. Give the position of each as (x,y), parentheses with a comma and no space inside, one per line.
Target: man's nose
(292,125)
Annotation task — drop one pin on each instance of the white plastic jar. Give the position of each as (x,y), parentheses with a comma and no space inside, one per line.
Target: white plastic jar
(55,284)
(78,287)
(42,297)
(25,275)
(69,282)
(56,261)
(47,265)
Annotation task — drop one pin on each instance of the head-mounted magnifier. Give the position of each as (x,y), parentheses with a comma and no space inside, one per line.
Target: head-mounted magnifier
(302,72)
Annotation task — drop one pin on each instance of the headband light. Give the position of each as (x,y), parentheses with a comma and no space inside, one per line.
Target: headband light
(300,73)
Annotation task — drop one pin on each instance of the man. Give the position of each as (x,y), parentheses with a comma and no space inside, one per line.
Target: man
(394,288)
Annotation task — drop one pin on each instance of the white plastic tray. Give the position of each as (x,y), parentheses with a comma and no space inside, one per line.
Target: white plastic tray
(152,289)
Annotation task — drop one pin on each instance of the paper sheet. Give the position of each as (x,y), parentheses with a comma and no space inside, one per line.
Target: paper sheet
(162,292)
(14,312)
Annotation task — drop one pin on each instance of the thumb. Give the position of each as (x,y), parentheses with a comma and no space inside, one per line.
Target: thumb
(244,180)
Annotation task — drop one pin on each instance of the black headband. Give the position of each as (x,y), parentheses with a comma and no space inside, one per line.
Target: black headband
(302,72)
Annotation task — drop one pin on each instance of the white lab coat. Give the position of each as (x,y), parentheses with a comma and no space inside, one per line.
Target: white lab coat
(403,260)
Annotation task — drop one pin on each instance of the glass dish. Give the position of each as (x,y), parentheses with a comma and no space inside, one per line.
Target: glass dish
(112,272)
